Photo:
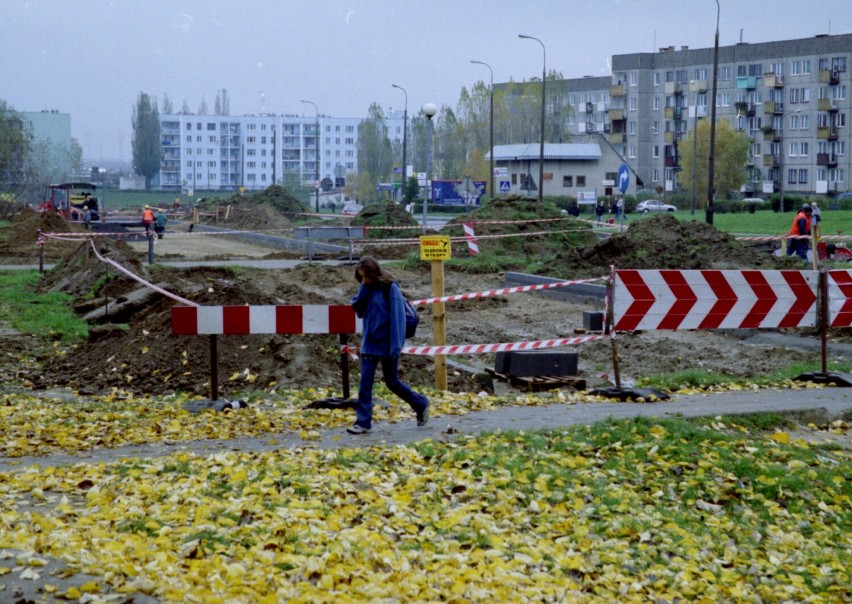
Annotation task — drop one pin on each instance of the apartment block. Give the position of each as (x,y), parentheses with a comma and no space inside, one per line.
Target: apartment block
(215,152)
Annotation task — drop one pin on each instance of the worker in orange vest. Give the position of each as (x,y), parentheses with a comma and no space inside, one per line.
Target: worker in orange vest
(801,227)
(147,218)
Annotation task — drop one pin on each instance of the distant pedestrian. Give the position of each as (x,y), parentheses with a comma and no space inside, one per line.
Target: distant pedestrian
(574,209)
(160,223)
(619,210)
(148,218)
(380,304)
(801,227)
(87,217)
(600,210)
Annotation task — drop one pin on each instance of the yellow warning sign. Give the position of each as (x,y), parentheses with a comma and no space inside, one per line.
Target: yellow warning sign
(434,247)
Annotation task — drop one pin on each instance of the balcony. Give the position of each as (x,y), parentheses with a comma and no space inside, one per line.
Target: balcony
(674,88)
(590,107)
(617,138)
(616,115)
(829,160)
(773,108)
(773,81)
(607,128)
(771,160)
(746,82)
(671,161)
(829,76)
(751,110)
(833,134)
(698,85)
(673,112)
(617,90)
(827,105)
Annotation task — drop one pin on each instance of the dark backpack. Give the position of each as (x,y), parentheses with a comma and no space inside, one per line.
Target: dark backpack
(412,319)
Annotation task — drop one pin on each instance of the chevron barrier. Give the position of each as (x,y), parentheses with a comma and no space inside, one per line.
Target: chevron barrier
(840,298)
(715,299)
(245,320)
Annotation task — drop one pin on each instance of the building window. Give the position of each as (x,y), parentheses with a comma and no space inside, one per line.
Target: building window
(210,152)
(631,151)
(803,177)
(701,73)
(656,151)
(631,127)
(656,176)
(634,103)
(633,78)
(250,152)
(567,181)
(350,128)
(189,138)
(806,66)
(211,126)
(792,176)
(656,78)
(656,103)
(581,181)
(794,150)
(803,149)
(655,127)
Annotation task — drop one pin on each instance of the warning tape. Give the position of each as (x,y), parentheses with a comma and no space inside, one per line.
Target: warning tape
(504,290)
(380,242)
(136,277)
(489,348)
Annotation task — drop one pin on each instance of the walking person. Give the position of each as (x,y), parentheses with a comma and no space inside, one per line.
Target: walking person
(147,219)
(599,212)
(380,304)
(619,210)
(160,223)
(801,227)
(87,217)
(816,218)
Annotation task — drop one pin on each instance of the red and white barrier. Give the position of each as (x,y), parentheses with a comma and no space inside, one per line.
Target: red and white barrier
(245,320)
(472,246)
(711,299)
(840,298)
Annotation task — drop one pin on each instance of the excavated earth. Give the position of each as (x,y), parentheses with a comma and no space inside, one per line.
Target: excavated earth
(130,346)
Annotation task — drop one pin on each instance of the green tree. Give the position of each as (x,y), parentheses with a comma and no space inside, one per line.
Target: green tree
(729,162)
(375,156)
(14,150)
(147,151)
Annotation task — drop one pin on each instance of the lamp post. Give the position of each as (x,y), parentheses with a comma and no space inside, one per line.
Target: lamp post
(708,216)
(491,124)
(404,141)
(317,158)
(543,96)
(694,139)
(429,110)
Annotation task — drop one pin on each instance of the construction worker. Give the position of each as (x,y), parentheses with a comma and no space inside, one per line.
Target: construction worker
(801,227)
(87,217)
(160,223)
(148,218)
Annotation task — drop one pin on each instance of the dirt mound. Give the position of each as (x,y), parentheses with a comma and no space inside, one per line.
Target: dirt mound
(25,228)
(247,216)
(83,274)
(661,242)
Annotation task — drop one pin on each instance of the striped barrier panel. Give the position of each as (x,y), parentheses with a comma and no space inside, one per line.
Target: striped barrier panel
(245,320)
(714,299)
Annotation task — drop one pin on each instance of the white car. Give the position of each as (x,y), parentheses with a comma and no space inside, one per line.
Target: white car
(352,209)
(654,205)
(754,200)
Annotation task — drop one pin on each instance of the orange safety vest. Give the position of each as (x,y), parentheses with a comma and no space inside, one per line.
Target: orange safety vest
(147,216)
(794,229)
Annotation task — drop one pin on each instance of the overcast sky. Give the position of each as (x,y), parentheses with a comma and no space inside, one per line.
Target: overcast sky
(91,58)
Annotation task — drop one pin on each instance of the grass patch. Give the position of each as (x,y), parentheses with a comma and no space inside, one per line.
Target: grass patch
(41,314)
(701,379)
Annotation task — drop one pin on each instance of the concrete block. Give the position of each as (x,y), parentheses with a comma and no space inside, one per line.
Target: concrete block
(593,320)
(527,363)
(501,362)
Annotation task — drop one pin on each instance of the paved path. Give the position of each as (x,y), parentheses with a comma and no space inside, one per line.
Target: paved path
(819,403)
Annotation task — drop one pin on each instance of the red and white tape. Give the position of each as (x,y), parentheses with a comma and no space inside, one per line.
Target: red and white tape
(504,290)
(472,246)
(490,348)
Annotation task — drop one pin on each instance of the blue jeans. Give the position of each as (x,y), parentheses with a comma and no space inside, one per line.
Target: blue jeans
(798,247)
(390,369)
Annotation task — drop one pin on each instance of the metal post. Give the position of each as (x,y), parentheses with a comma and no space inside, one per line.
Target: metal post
(214,368)
(694,139)
(543,100)
(429,110)
(344,364)
(150,247)
(712,161)
(404,142)
(491,126)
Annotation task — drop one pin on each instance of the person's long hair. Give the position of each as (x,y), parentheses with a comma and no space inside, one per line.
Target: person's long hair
(373,270)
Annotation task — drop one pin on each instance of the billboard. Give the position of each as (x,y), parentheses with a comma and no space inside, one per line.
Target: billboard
(457,192)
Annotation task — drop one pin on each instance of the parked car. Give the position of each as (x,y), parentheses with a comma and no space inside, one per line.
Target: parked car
(754,200)
(352,209)
(847,195)
(654,205)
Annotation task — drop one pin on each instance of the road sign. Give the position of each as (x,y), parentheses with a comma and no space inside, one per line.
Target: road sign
(623,178)
(397,170)
(434,247)
(505,187)
(316,184)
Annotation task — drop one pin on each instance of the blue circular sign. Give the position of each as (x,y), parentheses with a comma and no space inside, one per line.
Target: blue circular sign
(623,178)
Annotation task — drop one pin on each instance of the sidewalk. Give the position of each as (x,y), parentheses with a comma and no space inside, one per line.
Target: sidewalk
(816,402)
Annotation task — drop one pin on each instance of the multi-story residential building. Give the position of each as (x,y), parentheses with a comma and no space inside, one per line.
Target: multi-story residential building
(791,97)
(216,152)
(50,127)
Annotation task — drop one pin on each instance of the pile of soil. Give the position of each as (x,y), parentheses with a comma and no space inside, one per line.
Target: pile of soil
(83,275)
(24,230)
(270,209)
(663,242)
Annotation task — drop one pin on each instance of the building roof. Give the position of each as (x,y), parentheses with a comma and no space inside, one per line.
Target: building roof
(562,151)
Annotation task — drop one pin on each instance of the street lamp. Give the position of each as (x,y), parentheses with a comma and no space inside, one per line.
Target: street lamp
(317,158)
(491,124)
(543,89)
(404,140)
(708,215)
(429,110)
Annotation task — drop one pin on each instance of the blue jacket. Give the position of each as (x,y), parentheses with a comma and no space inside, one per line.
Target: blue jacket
(383,312)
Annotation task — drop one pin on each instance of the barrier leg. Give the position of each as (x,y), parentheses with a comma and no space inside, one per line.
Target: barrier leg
(214,368)
(344,365)
(150,247)
(41,258)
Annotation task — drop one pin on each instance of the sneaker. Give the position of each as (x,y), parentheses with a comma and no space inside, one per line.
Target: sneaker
(356,429)
(423,416)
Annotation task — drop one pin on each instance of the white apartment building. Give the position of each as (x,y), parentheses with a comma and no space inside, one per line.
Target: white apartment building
(225,153)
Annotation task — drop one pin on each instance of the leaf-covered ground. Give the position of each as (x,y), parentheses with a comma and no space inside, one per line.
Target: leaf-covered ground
(630,511)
